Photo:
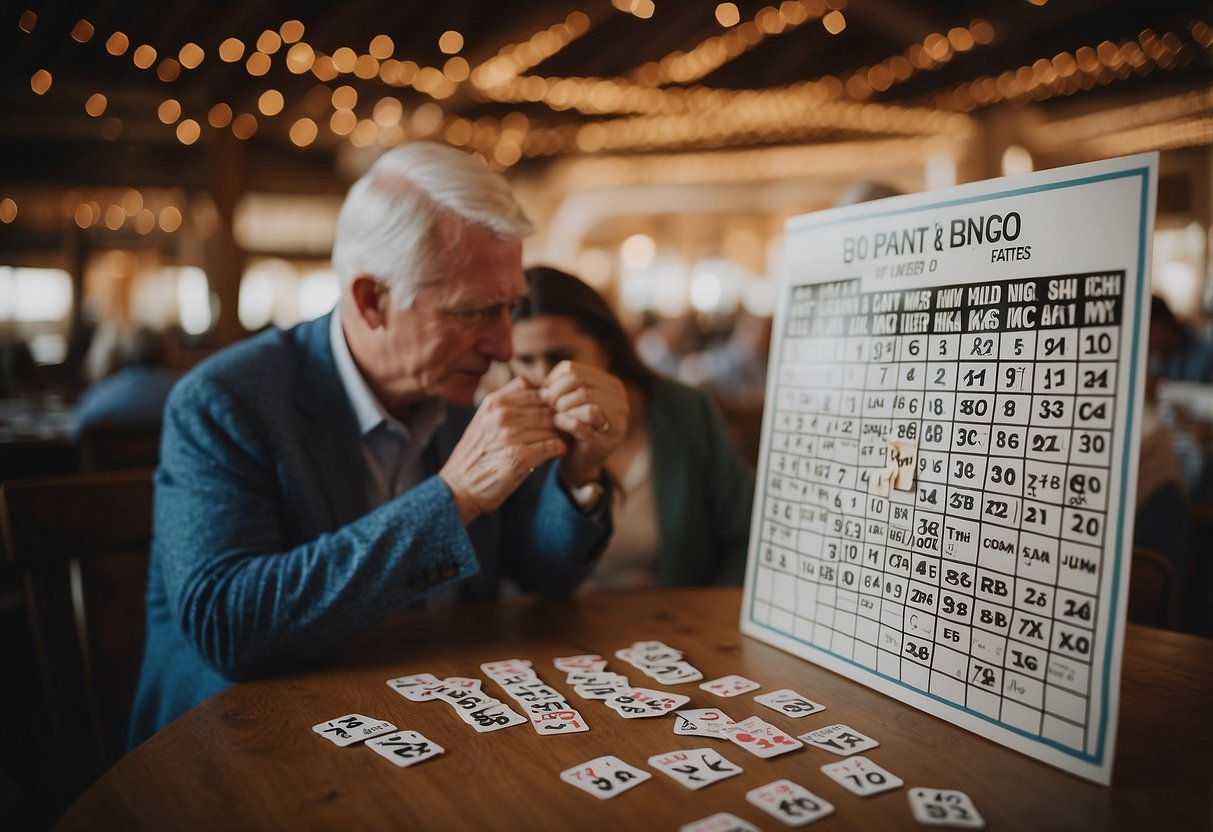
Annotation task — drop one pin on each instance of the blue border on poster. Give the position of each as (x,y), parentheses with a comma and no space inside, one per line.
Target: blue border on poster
(1097,758)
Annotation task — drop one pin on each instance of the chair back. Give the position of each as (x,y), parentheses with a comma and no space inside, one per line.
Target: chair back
(109,448)
(1153,590)
(81,544)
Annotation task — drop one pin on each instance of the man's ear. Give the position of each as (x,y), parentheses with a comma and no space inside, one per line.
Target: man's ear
(370,299)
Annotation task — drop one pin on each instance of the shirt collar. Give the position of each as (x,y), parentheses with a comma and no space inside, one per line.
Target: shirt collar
(367,408)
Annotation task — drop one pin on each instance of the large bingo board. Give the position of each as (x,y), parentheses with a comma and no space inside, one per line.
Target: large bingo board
(949,451)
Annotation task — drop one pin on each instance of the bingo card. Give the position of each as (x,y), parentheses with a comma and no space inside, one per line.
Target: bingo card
(949,451)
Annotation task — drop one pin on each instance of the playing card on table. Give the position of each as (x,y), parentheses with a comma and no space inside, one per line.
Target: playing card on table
(695,768)
(944,807)
(507,667)
(605,690)
(732,685)
(467,683)
(492,718)
(839,739)
(564,721)
(656,660)
(761,738)
(701,722)
(604,777)
(415,687)
(352,728)
(720,822)
(789,703)
(589,662)
(641,647)
(862,776)
(643,702)
(406,748)
(598,677)
(545,706)
(471,702)
(678,673)
(790,802)
(534,691)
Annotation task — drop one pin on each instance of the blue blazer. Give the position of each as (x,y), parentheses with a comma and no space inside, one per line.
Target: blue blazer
(265,551)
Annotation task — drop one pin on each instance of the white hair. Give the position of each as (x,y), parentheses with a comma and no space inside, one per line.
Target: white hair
(395,224)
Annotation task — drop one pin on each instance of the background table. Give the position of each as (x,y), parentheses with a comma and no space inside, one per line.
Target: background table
(248,758)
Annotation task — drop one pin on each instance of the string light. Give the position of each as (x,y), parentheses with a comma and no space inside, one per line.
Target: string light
(168,70)
(83,31)
(188,131)
(834,22)
(258,64)
(220,115)
(170,218)
(145,221)
(269,42)
(451,42)
(117,44)
(381,47)
(169,111)
(366,67)
(270,102)
(303,132)
(231,50)
(291,31)
(1069,72)
(655,107)
(144,56)
(244,126)
(300,58)
(29,19)
(191,55)
(516,58)
(711,54)
(727,14)
(40,82)
(115,217)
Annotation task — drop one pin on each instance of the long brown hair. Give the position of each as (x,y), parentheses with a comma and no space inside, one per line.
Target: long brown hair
(553,292)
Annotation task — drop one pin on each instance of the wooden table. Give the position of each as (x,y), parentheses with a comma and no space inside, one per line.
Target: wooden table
(248,759)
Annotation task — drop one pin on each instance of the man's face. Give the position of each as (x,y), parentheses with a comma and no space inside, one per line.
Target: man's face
(456,327)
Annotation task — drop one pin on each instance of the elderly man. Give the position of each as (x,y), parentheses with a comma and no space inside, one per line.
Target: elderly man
(315,480)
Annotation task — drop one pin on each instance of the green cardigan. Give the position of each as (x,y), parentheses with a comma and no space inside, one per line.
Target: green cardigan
(705,490)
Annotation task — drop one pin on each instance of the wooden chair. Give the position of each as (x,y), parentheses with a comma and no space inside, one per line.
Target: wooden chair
(106,448)
(1153,590)
(81,544)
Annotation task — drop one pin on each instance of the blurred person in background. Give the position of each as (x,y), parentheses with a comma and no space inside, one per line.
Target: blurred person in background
(663,342)
(134,395)
(734,370)
(683,495)
(1176,351)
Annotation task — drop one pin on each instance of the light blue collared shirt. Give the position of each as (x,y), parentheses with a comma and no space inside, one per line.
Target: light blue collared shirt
(392,449)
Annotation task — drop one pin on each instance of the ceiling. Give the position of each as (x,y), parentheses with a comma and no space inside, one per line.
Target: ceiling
(534,81)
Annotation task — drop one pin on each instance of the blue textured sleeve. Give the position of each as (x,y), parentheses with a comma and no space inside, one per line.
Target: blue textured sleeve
(559,543)
(246,599)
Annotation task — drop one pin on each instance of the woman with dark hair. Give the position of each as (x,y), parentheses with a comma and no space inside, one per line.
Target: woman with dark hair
(682,496)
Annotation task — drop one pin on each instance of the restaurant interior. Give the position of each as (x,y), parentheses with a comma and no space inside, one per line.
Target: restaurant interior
(177,169)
